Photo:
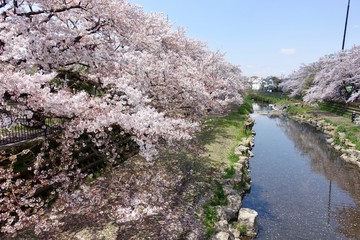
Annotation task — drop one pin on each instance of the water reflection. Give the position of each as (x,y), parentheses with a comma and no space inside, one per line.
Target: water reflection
(300,188)
(326,162)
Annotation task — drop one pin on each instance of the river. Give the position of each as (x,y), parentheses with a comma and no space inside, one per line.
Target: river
(300,187)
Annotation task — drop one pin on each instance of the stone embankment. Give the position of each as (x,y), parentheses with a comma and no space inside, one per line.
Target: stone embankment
(336,139)
(235,221)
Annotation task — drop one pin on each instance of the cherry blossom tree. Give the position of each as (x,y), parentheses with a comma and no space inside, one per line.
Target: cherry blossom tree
(300,80)
(337,73)
(107,69)
(327,78)
(123,53)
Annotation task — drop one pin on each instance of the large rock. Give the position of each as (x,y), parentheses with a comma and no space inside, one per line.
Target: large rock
(351,145)
(239,166)
(244,160)
(235,231)
(220,212)
(338,148)
(229,189)
(248,142)
(222,236)
(342,136)
(241,150)
(222,225)
(234,202)
(231,214)
(237,178)
(250,153)
(230,211)
(248,217)
(352,152)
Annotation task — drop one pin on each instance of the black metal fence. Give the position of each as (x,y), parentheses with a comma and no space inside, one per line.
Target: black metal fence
(341,108)
(19,128)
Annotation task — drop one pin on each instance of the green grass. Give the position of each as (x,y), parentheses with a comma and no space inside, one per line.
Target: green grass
(210,214)
(221,136)
(219,197)
(210,218)
(352,132)
(245,171)
(93,176)
(341,128)
(337,140)
(232,157)
(299,110)
(330,121)
(238,119)
(242,229)
(229,172)
(269,98)
(333,108)
(16,128)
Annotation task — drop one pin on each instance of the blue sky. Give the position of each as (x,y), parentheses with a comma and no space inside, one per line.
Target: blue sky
(265,37)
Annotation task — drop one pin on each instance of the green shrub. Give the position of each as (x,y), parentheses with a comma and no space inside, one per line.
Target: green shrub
(219,198)
(232,157)
(229,172)
(298,110)
(210,218)
(242,229)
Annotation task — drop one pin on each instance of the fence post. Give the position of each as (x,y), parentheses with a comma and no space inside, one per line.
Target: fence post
(45,129)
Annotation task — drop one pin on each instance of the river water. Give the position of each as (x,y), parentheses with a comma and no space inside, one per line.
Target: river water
(300,187)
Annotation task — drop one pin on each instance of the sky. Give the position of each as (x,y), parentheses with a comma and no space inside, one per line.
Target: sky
(265,37)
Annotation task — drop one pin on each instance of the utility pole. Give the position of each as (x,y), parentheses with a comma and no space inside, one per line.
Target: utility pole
(346,20)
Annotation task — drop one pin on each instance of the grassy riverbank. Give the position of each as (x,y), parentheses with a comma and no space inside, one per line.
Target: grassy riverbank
(220,137)
(221,134)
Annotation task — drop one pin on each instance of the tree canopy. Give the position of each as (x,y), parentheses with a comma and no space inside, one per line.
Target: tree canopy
(327,78)
(149,79)
(102,65)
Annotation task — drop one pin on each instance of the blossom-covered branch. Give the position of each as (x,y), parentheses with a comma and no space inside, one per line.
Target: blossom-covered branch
(327,78)
(110,70)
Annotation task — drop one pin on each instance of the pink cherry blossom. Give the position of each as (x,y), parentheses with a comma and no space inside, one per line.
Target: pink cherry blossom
(106,69)
(327,78)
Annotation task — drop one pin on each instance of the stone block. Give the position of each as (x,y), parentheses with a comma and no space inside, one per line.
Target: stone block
(222,236)
(248,217)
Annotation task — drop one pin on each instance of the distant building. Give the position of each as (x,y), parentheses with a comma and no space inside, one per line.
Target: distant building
(268,84)
(255,82)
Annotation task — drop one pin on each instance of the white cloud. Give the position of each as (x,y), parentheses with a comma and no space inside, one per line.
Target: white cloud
(288,51)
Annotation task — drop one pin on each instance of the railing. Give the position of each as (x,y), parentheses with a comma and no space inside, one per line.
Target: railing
(19,128)
(341,108)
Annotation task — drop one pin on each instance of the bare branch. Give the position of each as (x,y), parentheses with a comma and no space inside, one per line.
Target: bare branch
(51,11)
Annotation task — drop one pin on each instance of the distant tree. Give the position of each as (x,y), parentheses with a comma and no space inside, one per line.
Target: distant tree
(337,72)
(327,78)
(301,80)
(277,82)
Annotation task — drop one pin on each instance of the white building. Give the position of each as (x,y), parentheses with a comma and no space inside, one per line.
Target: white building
(255,82)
